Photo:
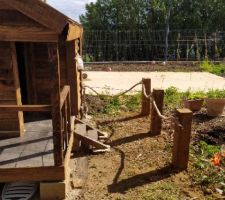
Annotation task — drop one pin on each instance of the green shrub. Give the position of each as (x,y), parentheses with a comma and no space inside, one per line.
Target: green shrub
(172,98)
(218,69)
(214,94)
(193,95)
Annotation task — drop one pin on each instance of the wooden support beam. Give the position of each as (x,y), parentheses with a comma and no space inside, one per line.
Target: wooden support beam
(32,174)
(156,121)
(146,83)
(182,138)
(56,110)
(25,108)
(27,34)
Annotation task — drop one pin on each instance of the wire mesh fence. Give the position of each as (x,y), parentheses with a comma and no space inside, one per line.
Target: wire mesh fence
(146,45)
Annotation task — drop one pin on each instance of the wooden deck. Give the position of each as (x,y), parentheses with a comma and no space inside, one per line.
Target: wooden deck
(31,155)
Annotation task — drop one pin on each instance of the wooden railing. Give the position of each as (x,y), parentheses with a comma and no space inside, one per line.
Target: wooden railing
(66,115)
(61,116)
(25,108)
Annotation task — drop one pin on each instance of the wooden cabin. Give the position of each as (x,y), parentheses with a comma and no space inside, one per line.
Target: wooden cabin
(38,77)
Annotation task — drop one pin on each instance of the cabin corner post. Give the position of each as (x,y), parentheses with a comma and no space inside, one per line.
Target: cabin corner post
(53,54)
(74,76)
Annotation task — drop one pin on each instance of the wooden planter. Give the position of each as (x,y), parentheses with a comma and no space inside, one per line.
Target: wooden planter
(215,107)
(193,105)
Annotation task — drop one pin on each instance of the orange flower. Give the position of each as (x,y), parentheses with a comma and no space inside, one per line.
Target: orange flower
(217,159)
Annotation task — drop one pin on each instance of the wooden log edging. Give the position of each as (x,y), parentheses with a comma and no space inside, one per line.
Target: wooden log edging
(182,137)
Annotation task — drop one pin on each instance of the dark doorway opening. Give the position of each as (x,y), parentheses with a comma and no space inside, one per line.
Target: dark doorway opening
(22,72)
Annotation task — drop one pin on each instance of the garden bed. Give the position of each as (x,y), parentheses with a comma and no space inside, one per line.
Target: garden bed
(138,165)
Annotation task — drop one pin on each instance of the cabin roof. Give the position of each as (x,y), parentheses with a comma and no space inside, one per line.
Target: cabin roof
(42,13)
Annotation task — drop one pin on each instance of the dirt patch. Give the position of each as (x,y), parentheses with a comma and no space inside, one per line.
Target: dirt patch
(138,165)
(209,129)
(146,67)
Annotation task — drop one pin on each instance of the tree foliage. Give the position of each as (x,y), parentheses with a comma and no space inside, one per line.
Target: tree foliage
(151,14)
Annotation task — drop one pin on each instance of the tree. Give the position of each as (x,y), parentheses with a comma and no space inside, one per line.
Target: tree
(151,14)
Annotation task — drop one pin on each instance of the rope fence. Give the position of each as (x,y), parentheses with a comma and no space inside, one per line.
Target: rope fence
(152,104)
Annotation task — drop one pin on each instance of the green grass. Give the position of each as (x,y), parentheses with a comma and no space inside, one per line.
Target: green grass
(162,191)
(116,105)
(218,69)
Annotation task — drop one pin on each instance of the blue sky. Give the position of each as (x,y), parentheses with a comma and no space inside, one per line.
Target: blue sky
(72,8)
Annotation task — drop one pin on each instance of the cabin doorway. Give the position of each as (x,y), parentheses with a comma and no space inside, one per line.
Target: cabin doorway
(33,70)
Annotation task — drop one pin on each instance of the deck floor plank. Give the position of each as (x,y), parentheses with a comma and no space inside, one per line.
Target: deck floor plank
(34,149)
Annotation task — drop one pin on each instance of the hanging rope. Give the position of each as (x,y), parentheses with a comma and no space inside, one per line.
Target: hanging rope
(117,95)
(125,92)
(160,114)
(145,93)
(92,89)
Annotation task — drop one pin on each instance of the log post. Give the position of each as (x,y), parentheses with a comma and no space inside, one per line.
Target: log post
(145,111)
(156,121)
(182,137)
(53,54)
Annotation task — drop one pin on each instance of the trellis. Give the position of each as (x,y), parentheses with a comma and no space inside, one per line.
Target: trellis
(145,45)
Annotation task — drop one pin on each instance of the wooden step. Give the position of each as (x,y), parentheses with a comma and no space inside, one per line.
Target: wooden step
(89,141)
(80,129)
(93,134)
(89,127)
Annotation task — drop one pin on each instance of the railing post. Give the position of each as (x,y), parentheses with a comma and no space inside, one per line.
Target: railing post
(56,110)
(69,128)
(156,121)
(182,136)
(146,105)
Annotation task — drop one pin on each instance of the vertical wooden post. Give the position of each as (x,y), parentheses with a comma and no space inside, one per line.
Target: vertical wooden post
(178,47)
(69,115)
(187,52)
(198,56)
(156,121)
(206,46)
(17,86)
(216,56)
(146,82)
(182,138)
(56,110)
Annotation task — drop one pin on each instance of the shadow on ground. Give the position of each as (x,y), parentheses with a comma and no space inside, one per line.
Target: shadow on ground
(141,179)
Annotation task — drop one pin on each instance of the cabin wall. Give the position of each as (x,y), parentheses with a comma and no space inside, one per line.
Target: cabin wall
(10,122)
(40,73)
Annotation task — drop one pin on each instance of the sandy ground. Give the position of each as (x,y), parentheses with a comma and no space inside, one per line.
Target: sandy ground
(115,82)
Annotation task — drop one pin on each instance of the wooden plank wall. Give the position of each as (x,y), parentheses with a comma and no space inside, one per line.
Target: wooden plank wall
(9,90)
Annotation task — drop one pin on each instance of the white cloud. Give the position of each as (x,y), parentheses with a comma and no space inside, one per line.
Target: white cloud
(71,8)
